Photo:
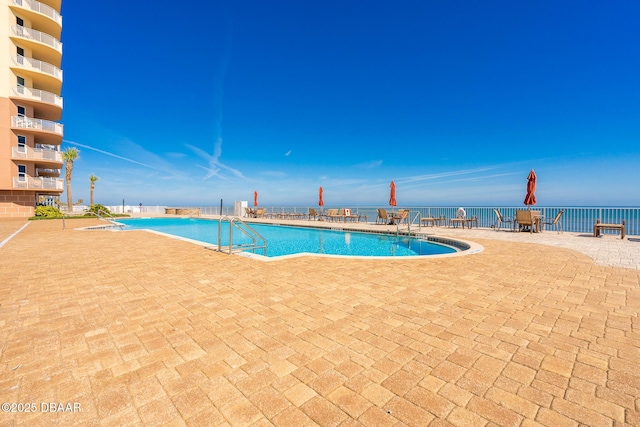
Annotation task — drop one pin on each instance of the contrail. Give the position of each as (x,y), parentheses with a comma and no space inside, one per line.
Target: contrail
(213,160)
(116,156)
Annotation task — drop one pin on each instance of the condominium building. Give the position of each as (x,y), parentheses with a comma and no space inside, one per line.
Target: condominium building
(30,105)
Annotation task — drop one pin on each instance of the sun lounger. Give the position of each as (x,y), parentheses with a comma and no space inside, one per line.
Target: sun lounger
(333,214)
(434,221)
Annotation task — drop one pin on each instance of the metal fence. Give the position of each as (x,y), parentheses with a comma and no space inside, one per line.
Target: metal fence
(574,219)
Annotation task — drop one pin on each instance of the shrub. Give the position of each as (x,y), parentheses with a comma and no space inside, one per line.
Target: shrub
(48,212)
(99,209)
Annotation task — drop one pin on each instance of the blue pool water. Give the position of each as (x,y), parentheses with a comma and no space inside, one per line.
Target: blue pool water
(286,240)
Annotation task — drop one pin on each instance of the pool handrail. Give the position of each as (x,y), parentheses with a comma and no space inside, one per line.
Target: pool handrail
(247,231)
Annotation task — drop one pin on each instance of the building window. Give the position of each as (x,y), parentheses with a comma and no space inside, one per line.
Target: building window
(22,173)
(22,144)
(22,112)
(20,80)
(20,21)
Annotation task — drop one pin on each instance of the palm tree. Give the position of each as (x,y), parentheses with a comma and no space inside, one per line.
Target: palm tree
(92,179)
(69,156)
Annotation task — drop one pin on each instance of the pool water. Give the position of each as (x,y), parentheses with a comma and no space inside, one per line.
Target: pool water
(288,240)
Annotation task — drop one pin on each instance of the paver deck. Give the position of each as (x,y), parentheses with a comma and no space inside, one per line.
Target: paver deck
(140,329)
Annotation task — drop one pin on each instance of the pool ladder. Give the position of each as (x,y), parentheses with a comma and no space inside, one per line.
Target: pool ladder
(238,224)
(409,222)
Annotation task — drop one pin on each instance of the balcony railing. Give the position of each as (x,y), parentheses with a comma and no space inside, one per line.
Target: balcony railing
(29,153)
(38,183)
(41,8)
(38,95)
(35,64)
(39,36)
(38,124)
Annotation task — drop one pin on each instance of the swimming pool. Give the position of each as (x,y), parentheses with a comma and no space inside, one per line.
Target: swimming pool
(287,240)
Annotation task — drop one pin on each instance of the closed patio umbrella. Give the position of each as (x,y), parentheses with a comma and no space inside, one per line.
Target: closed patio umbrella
(392,195)
(320,199)
(530,198)
(255,198)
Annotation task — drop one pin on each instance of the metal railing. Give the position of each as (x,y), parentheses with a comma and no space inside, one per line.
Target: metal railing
(239,224)
(36,154)
(37,94)
(574,219)
(38,183)
(36,64)
(38,36)
(39,124)
(41,8)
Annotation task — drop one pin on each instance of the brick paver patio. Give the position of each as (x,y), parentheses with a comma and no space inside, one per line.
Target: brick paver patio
(140,329)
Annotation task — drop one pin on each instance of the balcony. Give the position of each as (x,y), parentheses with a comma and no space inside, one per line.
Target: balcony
(39,12)
(46,105)
(48,47)
(36,154)
(38,183)
(38,36)
(38,66)
(47,75)
(37,95)
(27,123)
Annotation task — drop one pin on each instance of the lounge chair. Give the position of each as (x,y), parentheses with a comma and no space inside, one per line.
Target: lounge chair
(556,222)
(350,215)
(260,212)
(314,214)
(382,216)
(525,218)
(333,214)
(501,219)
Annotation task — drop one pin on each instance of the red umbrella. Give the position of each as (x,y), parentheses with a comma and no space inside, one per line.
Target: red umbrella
(392,195)
(321,200)
(530,198)
(255,198)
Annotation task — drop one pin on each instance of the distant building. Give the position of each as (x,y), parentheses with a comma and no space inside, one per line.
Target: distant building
(30,105)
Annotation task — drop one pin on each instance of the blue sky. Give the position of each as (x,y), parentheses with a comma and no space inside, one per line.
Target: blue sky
(455,101)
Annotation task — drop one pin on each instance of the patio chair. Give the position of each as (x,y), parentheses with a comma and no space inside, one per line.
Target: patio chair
(556,222)
(501,219)
(260,212)
(524,218)
(313,213)
(382,215)
(402,215)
